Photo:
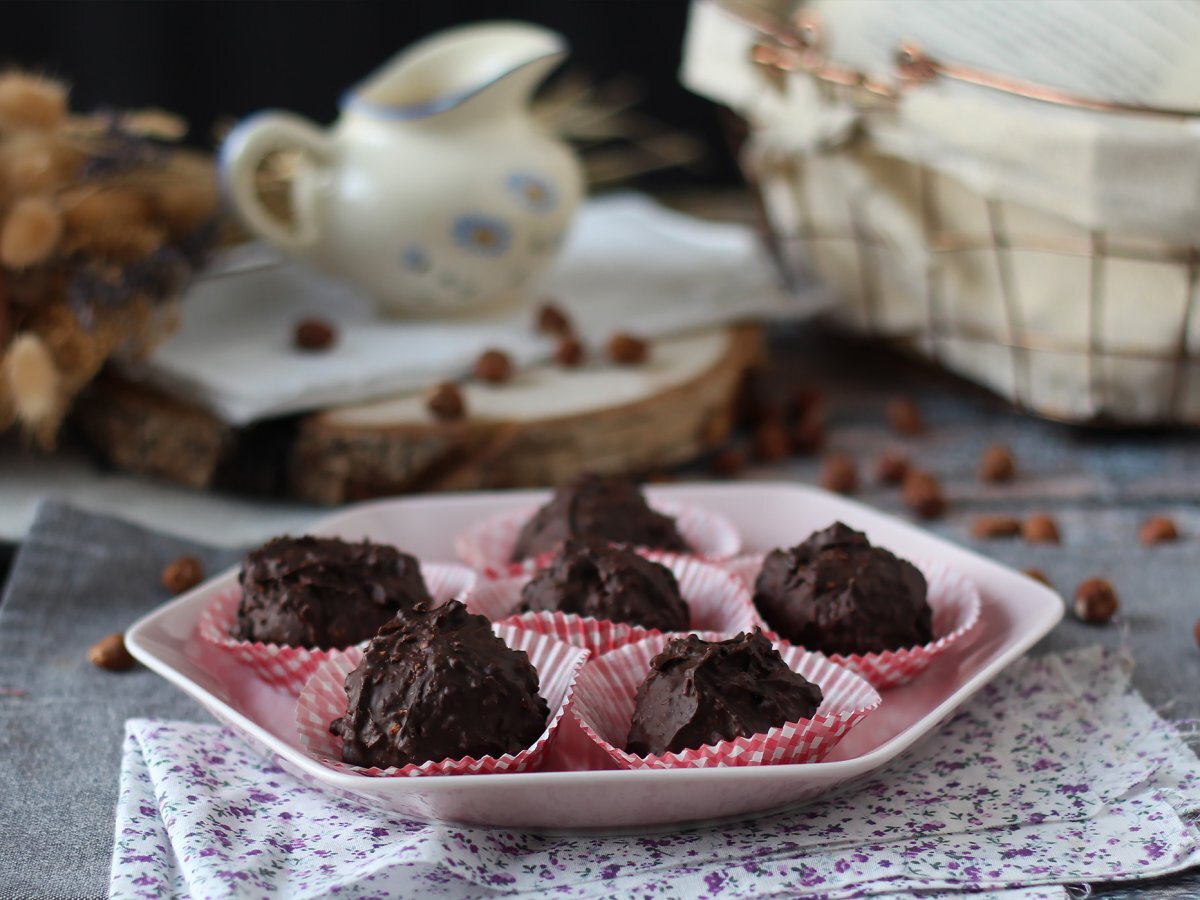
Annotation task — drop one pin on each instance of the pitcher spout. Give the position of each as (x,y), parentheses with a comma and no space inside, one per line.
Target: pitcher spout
(493,67)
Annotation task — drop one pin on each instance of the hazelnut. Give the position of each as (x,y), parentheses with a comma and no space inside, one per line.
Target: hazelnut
(839,473)
(110,653)
(1095,601)
(1040,529)
(569,352)
(891,467)
(552,320)
(493,366)
(808,434)
(904,416)
(445,401)
(660,478)
(314,335)
(771,442)
(728,462)
(995,526)
(1157,530)
(1196,631)
(1039,575)
(182,574)
(627,350)
(997,464)
(923,494)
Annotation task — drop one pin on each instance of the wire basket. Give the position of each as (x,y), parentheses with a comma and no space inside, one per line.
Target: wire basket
(1080,324)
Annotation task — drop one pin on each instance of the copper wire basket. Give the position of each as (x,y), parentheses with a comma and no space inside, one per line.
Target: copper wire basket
(1092,371)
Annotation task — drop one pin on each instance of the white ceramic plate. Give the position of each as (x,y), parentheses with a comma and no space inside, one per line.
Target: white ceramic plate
(1017,611)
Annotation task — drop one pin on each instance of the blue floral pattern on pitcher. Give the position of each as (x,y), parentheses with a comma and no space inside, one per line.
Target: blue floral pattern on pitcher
(482,234)
(533,192)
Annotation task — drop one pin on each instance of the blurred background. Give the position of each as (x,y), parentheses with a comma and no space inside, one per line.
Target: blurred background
(214,62)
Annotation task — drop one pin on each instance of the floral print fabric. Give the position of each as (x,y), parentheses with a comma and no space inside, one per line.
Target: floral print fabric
(1057,773)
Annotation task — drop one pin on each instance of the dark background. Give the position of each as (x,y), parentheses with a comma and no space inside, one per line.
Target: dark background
(214,60)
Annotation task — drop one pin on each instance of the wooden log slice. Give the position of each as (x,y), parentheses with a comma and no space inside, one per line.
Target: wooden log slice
(541,428)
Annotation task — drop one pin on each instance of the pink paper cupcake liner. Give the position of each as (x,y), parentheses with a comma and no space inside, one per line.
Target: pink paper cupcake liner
(488,545)
(717,601)
(288,668)
(605,701)
(956,605)
(323,699)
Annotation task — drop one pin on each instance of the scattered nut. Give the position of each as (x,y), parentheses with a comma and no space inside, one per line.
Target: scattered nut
(627,350)
(997,464)
(493,366)
(771,442)
(1095,601)
(445,401)
(1196,631)
(552,320)
(839,473)
(314,334)
(569,352)
(891,467)
(1157,530)
(728,462)
(1040,529)
(808,435)
(922,493)
(110,653)
(1039,575)
(904,416)
(993,526)
(182,574)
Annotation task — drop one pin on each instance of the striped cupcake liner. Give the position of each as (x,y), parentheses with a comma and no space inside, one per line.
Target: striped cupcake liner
(287,668)
(717,601)
(487,546)
(323,699)
(956,605)
(605,700)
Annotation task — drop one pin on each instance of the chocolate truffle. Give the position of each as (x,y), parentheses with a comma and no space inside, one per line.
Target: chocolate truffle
(324,592)
(597,506)
(594,578)
(438,684)
(698,693)
(838,594)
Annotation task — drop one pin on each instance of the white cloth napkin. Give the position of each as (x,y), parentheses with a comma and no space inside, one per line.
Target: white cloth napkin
(628,264)
(1056,774)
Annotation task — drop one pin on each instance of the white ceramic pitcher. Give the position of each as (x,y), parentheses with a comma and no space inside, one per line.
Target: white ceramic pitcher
(435,190)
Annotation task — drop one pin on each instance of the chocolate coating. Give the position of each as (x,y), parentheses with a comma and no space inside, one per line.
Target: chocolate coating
(597,506)
(324,592)
(699,693)
(836,593)
(438,684)
(594,578)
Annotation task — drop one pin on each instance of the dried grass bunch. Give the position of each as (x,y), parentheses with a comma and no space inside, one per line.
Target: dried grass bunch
(101,222)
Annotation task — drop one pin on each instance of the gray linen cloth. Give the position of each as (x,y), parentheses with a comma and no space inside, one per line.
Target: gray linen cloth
(77,578)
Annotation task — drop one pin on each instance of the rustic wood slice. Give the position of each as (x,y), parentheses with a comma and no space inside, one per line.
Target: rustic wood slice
(542,427)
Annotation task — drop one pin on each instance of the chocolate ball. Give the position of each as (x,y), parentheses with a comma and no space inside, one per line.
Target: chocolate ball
(438,684)
(836,593)
(324,592)
(593,578)
(597,506)
(700,692)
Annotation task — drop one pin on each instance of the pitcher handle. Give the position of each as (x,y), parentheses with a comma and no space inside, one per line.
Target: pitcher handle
(243,151)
